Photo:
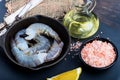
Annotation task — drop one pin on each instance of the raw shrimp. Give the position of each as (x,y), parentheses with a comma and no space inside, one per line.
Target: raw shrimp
(21,42)
(27,60)
(35,49)
(42,45)
(39,57)
(55,51)
(38,28)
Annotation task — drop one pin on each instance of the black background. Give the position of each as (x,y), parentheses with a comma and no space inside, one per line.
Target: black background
(108,11)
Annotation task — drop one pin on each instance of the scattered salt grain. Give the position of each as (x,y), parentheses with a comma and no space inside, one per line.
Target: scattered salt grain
(69,53)
(108,38)
(98,36)
(101,32)
(65,59)
(75,46)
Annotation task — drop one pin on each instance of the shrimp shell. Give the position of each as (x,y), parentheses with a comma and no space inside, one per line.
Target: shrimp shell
(33,54)
(43,44)
(55,51)
(39,28)
(25,60)
(21,42)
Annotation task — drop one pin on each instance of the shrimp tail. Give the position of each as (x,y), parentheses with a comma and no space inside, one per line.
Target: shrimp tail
(55,51)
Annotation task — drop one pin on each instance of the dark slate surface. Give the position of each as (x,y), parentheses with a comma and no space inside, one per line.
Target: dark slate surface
(108,11)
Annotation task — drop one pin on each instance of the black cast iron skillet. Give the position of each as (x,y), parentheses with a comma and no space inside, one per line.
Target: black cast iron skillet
(5,40)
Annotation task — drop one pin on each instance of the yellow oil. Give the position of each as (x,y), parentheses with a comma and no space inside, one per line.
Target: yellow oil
(81,25)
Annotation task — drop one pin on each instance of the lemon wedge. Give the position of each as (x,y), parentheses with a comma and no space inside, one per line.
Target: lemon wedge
(69,75)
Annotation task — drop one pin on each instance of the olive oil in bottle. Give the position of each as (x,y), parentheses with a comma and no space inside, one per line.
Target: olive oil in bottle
(82,22)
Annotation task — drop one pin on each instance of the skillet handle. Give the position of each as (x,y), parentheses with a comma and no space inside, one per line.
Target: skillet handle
(2,41)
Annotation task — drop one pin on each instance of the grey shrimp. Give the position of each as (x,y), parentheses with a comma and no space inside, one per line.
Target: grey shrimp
(27,60)
(43,44)
(39,28)
(54,51)
(21,42)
